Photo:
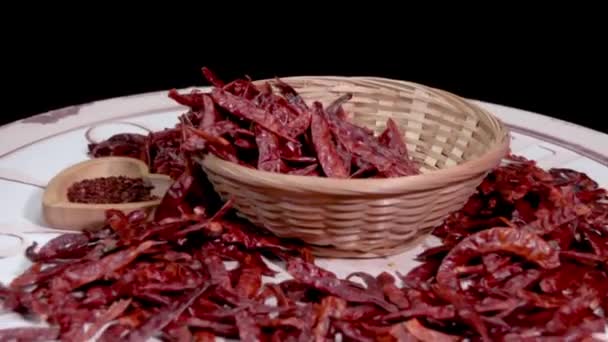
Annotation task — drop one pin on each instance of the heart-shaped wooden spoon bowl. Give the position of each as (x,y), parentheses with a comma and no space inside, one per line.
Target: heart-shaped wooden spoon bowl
(60,213)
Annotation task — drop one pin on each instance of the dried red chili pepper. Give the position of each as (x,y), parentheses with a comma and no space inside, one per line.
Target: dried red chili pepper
(125,144)
(194,100)
(562,278)
(300,124)
(303,267)
(336,106)
(584,258)
(347,159)
(292,96)
(520,242)
(558,217)
(344,289)
(391,291)
(269,158)
(358,142)
(242,88)
(248,329)
(81,274)
(66,246)
(425,334)
(210,114)
(244,108)
(29,334)
(283,109)
(193,133)
(35,274)
(572,313)
(221,329)
(329,308)
(310,170)
(250,278)
(245,144)
(372,284)
(423,310)
(163,153)
(499,275)
(164,317)
(393,139)
(361,312)
(300,159)
(332,163)
(212,78)
(464,309)
(351,331)
(522,281)
(420,274)
(114,311)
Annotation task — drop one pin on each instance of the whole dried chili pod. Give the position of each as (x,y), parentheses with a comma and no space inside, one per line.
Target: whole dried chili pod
(29,334)
(210,113)
(336,105)
(332,163)
(246,109)
(393,139)
(194,100)
(269,158)
(423,333)
(212,77)
(292,96)
(365,146)
(527,245)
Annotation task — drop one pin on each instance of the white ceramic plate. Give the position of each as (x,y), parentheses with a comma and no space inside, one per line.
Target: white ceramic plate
(34,149)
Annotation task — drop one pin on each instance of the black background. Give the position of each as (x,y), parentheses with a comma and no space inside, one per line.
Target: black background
(551,71)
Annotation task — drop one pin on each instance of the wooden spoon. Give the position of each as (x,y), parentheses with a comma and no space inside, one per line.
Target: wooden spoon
(60,213)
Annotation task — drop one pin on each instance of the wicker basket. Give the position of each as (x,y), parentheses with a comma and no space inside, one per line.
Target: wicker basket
(456,143)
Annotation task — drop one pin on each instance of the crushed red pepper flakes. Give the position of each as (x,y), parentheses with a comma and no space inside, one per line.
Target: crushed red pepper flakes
(110,190)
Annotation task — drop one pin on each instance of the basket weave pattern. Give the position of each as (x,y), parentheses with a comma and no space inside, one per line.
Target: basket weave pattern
(455,142)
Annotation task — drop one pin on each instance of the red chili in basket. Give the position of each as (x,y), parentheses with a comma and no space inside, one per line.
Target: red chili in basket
(110,190)
(254,126)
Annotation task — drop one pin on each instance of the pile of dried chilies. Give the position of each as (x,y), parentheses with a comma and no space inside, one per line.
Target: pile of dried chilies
(525,259)
(253,126)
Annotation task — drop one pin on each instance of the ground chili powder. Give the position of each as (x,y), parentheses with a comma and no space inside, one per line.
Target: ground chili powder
(110,190)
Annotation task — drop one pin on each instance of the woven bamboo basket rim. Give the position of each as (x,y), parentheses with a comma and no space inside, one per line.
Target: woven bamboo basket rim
(370,186)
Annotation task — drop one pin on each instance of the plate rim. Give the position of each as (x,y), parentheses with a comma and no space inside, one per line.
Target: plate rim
(27,131)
